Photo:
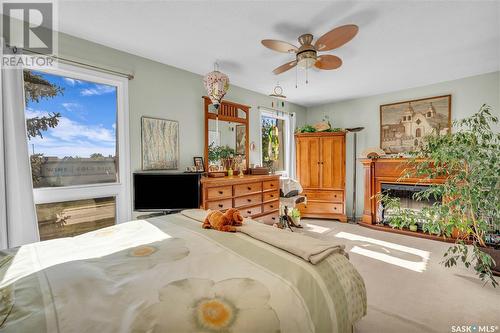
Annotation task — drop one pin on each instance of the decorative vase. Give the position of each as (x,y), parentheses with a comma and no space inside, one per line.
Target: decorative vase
(230,172)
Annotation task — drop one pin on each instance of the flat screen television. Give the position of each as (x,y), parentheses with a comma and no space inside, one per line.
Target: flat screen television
(166,192)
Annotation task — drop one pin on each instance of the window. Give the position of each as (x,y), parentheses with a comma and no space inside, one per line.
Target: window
(71,218)
(418,133)
(76,124)
(275,145)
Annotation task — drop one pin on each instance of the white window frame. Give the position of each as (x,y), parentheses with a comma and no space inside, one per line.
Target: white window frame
(120,189)
(270,113)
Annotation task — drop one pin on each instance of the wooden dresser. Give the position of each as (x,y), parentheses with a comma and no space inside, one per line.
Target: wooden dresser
(321,172)
(254,196)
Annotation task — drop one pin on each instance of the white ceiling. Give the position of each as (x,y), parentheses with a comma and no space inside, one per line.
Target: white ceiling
(400,44)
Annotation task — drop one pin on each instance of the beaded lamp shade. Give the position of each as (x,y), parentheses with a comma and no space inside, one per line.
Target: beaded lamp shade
(217,85)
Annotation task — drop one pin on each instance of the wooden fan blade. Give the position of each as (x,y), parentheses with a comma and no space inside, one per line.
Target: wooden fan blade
(336,38)
(328,61)
(285,67)
(280,46)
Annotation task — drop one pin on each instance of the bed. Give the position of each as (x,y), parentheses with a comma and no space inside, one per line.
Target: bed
(167,274)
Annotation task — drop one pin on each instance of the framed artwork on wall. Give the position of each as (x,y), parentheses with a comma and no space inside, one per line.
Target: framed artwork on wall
(403,125)
(160,144)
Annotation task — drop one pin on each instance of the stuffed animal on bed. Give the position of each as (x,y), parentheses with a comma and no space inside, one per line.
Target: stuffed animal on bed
(223,221)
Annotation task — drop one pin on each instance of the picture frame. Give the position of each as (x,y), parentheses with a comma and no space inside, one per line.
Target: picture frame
(403,125)
(159,143)
(198,163)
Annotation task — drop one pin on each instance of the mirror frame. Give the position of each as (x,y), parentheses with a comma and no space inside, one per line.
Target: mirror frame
(227,111)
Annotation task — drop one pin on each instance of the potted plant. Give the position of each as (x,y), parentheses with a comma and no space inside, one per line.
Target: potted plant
(295,215)
(469,159)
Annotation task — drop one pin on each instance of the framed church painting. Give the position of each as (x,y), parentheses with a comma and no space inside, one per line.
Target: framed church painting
(403,125)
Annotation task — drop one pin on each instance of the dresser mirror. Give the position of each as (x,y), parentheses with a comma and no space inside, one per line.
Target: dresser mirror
(226,137)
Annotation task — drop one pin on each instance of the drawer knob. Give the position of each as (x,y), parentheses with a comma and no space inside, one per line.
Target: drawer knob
(334,208)
(273,218)
(249,200)
(221,205)
(272,185)
(272,195)
(272,206)
(220,192)
(249,188)
(249,212)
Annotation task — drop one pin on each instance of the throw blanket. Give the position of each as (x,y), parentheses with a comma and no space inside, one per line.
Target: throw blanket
(308,248)
(167,274)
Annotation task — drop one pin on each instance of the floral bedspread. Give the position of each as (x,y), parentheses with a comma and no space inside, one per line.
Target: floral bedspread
(167,274)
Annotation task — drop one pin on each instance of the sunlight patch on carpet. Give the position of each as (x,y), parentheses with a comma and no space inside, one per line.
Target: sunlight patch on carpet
(316,228)
(416,266)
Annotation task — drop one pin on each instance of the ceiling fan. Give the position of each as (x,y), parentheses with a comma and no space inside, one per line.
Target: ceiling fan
(306,56)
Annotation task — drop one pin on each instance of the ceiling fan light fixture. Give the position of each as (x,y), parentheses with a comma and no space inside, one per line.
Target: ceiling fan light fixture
(306,59)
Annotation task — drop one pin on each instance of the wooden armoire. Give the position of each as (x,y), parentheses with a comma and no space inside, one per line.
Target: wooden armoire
(321,172)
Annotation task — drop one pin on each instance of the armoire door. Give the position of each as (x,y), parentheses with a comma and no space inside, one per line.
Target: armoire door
(308,161)
(332,162)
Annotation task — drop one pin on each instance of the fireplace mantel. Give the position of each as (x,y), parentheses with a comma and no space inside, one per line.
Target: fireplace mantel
(385,170)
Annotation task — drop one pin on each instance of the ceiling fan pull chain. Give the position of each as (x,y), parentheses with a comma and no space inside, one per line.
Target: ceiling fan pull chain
(296,76)
(307,78)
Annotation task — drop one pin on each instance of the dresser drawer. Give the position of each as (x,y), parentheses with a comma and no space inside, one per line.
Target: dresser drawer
(332,196)
(220,204)
(268,196)
(270,206)
(219,192)
(249,188)
(270,185)
(269,219)
(321,208)
(247,200)
(246,212)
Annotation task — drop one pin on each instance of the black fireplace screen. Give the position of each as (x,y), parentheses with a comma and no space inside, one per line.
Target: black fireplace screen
(406,194)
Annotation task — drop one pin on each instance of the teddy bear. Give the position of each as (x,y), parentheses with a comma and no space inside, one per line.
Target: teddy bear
(223,221)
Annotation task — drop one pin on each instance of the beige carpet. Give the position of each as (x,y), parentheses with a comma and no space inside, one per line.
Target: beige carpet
(408,289)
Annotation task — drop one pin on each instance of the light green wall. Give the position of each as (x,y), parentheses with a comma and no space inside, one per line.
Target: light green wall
(468,95)
(163,91)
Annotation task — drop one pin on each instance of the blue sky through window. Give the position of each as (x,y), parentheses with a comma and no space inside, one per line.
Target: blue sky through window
(88,119)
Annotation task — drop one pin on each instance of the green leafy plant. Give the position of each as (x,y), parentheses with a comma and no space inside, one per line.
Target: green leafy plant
(218,153)
(469,161)
(306,129)
(310,129)
(295,213)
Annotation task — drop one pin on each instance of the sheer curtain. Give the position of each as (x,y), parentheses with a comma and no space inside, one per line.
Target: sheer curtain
(18,223)
(290,161)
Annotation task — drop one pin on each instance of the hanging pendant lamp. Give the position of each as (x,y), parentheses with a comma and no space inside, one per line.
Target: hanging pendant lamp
(217,84)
